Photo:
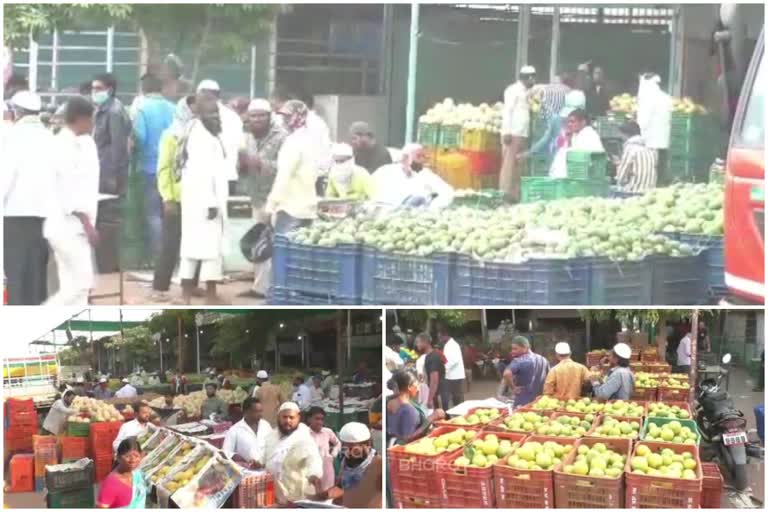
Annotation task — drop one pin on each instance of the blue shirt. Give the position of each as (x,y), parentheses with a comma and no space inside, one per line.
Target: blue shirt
(152,118)
(545,146)
(530,371)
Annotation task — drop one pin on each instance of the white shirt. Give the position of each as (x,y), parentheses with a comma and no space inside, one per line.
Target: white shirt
(516,114)
(76,182)
(292,460)
(585,140)
(231,136)
(56,421)
(392,185)
(129,429)
(454,368)
(316,396)
(392,359)
(243,441)
(29,166)
(293,191)
(654,114)
(302,396)
(684,351)
(126,391)
(321,135)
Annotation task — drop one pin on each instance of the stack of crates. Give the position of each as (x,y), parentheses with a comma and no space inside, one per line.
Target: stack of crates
(20,425)
(46,453)
(22,469)
(70,486)
(586,176)
(693,146)
(100,440)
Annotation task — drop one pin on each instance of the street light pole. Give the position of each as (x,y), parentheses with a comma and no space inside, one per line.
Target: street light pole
(413,55)
(197,340)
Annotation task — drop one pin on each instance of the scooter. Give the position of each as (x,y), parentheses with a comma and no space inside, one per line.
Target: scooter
(724,427)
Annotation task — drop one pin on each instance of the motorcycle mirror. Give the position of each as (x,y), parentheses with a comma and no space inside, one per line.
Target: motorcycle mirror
(726,358)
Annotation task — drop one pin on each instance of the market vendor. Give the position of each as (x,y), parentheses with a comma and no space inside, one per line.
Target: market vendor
(56,421)
(636,169)
(619,382)
(175,418)
(270,395)
(554,136)
(316,391)
(135,427)
(566,380)
(369,153)
(79,387)
(579,136)
(125,486)
(211,378)
(327,443)
(346,179)
(127,391)
(361,469)
(102,391)
(407,419)
(328,381)
(292,457)
(245,441)
(410,183)
(529,370)
(302,395)
(212,405)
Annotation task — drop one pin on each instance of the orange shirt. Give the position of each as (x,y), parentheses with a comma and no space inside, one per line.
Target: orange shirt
(565,380)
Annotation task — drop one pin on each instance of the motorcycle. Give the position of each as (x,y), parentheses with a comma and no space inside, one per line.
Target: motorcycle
(724,427)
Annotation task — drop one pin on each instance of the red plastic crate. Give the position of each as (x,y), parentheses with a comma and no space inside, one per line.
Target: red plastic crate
(23,419)
(577,491)
(22,469)
(483,162)
(503,410)
(525,488)
(256,490)
(404,501)
(102,435)
(496,425)
(469,487)
(102,466)
(712,486)
(642,403)
(415,475)
(20,438)
(645,491)
(673,394)
(646,394)
(14,406)
(74,448)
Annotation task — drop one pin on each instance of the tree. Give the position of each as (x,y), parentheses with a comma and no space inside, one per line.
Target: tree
(213,31)
(135,344)
(428,317)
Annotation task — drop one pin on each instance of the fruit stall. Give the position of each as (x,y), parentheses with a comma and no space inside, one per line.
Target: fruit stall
(664,247)
(558,454)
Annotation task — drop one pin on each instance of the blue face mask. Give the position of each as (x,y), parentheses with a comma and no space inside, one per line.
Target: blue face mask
(100,97)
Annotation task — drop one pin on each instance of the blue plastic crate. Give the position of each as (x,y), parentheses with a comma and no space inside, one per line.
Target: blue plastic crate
(620,283)
(760,421)
(284,297)
(678,280)
(536,282)
(714,259)
(322,272)
(392,278)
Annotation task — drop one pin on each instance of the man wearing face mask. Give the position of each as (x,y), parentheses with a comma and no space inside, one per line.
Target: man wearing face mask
(359,482)
(111,132)
(262,141)
(410,183)
(203,200)
(346,179)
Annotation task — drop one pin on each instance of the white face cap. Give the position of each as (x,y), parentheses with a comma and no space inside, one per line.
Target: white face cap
(354,432)
(103,380)
(342,151)
(289,406)
(28,101)
(208,85)
(622,350)
(563,349)
(528,70)
(80,380)
(261,374)
(125,381)
(259,105)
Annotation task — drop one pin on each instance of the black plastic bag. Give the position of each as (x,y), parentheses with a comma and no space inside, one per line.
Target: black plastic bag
(256,244)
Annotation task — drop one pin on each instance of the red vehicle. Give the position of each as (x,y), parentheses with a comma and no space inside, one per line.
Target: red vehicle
(744,206)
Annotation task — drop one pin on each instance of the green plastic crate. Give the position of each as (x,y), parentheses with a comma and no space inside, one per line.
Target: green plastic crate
(582,165)
(75,499)
(608,127)
(450,137)
(547,189)
(78,429)
(538,166)
(428,134)
(537,189)
(663,421)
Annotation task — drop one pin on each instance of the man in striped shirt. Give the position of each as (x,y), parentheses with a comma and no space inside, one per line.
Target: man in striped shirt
(636,170)
(553,95)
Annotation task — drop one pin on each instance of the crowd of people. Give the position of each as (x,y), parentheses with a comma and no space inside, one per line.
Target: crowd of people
(287,438)
(190,149)
(568,107)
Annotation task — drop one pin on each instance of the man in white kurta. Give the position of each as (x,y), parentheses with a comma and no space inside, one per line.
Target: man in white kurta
(292,457)
(70,228)
(410,183)
(515,125)
(204,192)
(246,440)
